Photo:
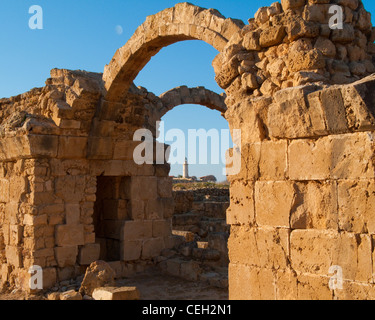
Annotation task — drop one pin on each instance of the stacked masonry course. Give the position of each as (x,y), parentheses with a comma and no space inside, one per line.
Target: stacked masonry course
(303,96)
(62,161)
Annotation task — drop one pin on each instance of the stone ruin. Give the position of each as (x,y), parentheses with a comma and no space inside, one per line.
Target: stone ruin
(304,200)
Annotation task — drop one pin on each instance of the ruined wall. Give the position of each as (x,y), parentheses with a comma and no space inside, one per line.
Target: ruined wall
(55,152)
(71,192)
(303,200)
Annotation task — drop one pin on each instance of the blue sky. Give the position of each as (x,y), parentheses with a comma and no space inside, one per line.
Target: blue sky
(81,34)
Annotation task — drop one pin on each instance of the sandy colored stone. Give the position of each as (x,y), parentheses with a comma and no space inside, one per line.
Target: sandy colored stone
(98,274)
(349,251)
(356,201)
(113,293)
(273,203)
(262,247)
(315,206)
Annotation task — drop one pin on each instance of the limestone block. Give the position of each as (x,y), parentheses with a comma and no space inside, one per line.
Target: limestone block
(73,213)
(113,293)
(357,97)
(14,256)
(89,253)
(152,247)
(311,287)
(315,251)
(43,145)
(135,230)
(70,295)
(144,188)
(309,159)
(241,210)
(352,155)
(70,188)
(4,190)
(273,160)
(70,124)
(137,211)
(274,202)
(165,187)
(69,235)
(100,148)
(327,112)
(228,72)
(292,4)
(130,250)
(286,285)
(259,283)
(98,274)
(161,228)
(315,206)
(271,36)
(344,35)
(15,234)
(154,209)
(356,204)
(17,187)
(123,149)
(251,41)
(72,147)
(355,291)
(261,247)
(187,235)
(288,116)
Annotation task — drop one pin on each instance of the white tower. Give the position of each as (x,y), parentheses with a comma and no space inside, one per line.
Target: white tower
(185,173)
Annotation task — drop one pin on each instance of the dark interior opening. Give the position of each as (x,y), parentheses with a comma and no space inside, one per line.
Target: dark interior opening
(111,209)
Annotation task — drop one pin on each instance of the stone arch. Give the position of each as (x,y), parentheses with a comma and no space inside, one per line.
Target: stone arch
(199,95)
(182,22)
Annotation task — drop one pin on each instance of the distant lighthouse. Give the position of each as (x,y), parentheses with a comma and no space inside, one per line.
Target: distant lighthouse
(185,173)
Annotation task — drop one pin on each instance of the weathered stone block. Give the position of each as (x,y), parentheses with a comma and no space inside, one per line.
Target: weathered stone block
(356,206)
(260,283)
(152,247)
(273,160)
(135,230)
(315,251)
(352,155)
(165,187)
(161,228)
(66,256)
(72,147)
(312,287)
(130,250)
(89,253)
(73,213)
(261,247)
(315,206)
(309,159)
(274,202)
(14,256)
(69,235)
(4,190)
(112,293)
(144,188)
(241,210)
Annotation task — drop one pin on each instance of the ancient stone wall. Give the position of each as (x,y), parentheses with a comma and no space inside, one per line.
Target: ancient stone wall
(302,201)
(55,158)
(302,95)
